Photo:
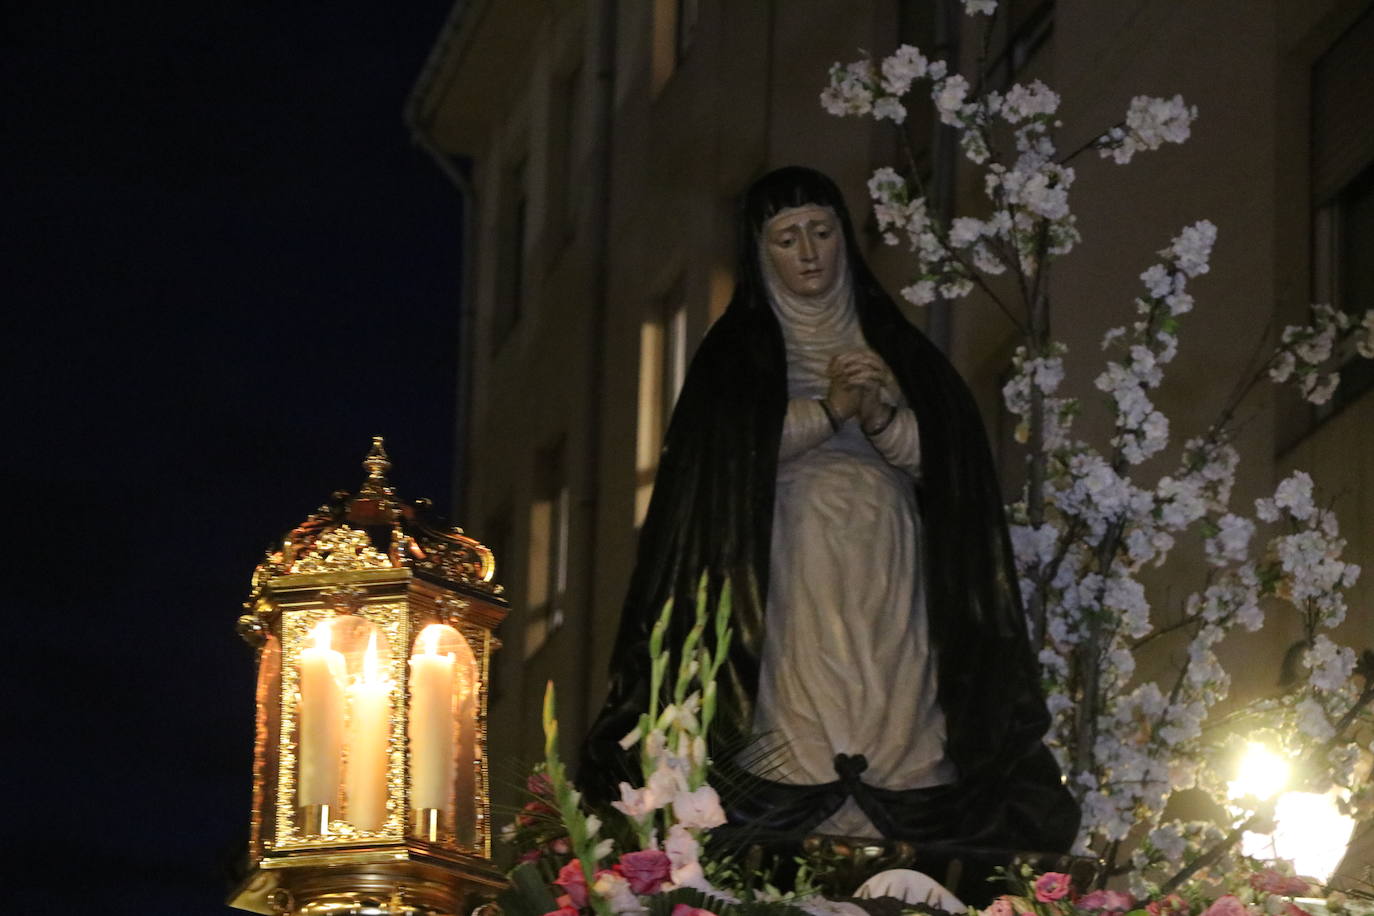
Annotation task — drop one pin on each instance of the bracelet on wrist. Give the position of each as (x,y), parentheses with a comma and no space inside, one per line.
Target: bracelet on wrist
(891,415)
(829,414)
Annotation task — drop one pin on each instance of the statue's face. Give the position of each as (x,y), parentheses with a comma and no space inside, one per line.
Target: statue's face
(803,244)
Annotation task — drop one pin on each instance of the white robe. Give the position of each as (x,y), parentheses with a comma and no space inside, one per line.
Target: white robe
(847,666)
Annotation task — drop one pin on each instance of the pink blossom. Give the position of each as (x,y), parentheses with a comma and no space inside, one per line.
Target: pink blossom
(563,911)
(571,879)
(1106,901)
(1053,885)
(531,856)
(683,909)
(1292,909)
(1229,905)
(698,809)
(1274,882)
(539,784)
(636,803)
(1000,907)
(612,887)
(1172,905)
(534,812)
(646,870)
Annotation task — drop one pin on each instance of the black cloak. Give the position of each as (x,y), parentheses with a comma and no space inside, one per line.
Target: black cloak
(712,511)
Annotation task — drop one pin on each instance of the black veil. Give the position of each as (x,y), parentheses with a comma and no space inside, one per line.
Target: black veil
(712,511)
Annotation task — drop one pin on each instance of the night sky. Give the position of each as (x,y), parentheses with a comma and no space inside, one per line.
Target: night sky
(225,268)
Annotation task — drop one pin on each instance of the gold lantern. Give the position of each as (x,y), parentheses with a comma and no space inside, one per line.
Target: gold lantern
(374,626)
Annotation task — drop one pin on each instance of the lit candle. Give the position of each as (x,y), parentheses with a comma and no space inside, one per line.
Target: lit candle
(368,728)
(321,721)
(431,722)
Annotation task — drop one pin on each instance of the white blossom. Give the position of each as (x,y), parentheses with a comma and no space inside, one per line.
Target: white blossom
(986,261)
(1312,720)
(1232,540)
(1150,123)
(977,7)
(906,65)
(964,231)
(1034,100)
(921,292)
(1365,341)
(1331,665)
(851,89)
(1282,366)
(889,107)
(1317,388)
(1192,249)
(949,95)
(1158,281)
(1294,495)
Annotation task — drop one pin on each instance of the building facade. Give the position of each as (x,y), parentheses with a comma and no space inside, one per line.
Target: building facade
(601,147)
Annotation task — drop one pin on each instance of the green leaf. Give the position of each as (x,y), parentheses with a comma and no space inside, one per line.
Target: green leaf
(662,905)
(527,895)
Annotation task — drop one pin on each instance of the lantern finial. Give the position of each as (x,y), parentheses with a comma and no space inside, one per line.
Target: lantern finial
(376,464)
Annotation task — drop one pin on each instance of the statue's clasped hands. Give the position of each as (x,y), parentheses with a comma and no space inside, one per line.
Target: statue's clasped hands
(861,385)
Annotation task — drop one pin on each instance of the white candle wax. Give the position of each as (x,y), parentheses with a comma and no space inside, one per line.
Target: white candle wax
(320,726)
(431,725)
(369,726)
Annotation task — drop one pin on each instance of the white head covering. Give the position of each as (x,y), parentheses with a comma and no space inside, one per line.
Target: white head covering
(815,329)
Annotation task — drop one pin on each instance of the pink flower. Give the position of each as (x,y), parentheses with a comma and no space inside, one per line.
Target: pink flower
(563,911)
(698,809)
(1106,901)
(1229,905)
(539,784)
(1172,905)
(533,812)
(645,870)
(571,879)
(1000,907)
(1292,909)
(1051,886)
(683,909)
(1273,882)
(531,856)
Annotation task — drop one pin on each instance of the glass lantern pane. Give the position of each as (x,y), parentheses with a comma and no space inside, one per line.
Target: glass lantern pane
(367,655)
(322,673)
(443,750)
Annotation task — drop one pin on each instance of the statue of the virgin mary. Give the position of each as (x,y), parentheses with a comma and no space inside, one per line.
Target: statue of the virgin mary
(827,461)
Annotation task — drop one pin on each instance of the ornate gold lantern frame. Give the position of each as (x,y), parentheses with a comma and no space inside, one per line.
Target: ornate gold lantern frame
(374,630)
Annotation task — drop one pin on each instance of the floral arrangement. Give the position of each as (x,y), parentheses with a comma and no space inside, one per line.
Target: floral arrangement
(1093,517)
(650,858)
(1263,892)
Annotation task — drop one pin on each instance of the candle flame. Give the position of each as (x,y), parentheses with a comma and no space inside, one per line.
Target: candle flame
(372,669)
(430,638)
(321,634)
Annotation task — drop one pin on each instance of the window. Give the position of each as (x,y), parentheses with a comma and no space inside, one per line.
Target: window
(662,368)
(674,29)
(1343,189)
(548,556)
(510,268)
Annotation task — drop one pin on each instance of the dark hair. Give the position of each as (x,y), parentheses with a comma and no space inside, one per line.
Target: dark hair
(780,189)
(792,186)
